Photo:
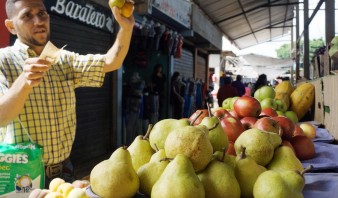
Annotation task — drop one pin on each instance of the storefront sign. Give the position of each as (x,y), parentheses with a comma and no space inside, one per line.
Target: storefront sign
(205,28)
(179,10)
(84,12)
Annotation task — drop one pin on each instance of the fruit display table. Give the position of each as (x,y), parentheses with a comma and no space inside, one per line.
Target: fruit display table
(323,180)
(323,135)
(322,185)
(326,158)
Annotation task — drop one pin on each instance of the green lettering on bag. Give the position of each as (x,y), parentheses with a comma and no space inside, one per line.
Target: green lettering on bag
(21,169)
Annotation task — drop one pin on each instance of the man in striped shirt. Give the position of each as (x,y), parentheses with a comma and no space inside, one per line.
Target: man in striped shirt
(37,96)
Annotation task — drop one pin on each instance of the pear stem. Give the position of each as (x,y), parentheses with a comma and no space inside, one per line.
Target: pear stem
(243,155)
(307,169)
(195,119)
(156,147)
(213,127)
(224,152)
(150,126)
(209,110)
(125,147)
(165,159)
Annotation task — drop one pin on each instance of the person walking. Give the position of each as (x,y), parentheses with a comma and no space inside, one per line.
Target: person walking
(226,91)
(239,85)
(176,99)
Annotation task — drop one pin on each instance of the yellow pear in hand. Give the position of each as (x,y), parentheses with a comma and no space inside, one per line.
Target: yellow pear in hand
(117,3)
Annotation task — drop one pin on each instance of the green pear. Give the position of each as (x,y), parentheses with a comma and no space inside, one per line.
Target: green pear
(222,156)
(257,95)
(285,158)
(247,172)
(226,103)
(280,184)
(219,180)
(192,141)
(161,130)
(232,102)
(140,150)
(151,171)
(260,145)
(115,177)
(271,180)
(217,136)
(178,180)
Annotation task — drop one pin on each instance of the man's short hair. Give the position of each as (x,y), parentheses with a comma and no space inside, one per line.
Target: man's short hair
(10,8)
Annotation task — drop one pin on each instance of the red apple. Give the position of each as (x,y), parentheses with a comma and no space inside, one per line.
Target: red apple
(221,113)
(269,111)
(268,124)
(298,130)
(231,149)
(233,114)
(247,106)
(303,146)
(198,116)
(232,127)
(308,129)
(248,122)
(287,125)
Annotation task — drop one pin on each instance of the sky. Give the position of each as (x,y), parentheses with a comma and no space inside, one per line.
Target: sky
(316,31)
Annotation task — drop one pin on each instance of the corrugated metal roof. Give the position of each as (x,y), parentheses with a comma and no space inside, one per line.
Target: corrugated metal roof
(250,22)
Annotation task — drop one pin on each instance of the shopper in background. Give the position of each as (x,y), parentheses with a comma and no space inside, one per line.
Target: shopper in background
(239,85)
(176,99)
(261,81)
(159,81)
(247,89)
(226,91)
(37,95)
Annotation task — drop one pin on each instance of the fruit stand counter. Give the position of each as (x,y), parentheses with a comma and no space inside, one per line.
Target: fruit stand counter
(323,185)
(323,180)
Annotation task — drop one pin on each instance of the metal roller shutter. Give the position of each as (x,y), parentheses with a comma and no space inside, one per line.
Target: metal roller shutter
(201,68)
(185,64)
(94,105)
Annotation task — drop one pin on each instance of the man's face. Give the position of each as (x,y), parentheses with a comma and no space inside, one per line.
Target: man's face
(31,22)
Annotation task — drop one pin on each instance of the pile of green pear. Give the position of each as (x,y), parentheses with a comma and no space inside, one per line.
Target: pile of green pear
(177,158)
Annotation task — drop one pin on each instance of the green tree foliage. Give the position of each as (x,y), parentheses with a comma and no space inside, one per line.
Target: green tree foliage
(284,51)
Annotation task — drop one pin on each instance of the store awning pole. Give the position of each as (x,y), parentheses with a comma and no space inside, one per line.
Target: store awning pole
(306,62)
(297,43)
(329,20)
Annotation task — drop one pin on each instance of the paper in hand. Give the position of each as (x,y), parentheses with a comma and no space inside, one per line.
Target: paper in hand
(51,53)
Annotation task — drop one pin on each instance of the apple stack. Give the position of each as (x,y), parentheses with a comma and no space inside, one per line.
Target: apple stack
(268,112)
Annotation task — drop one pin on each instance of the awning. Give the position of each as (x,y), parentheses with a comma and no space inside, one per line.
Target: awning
(250,22)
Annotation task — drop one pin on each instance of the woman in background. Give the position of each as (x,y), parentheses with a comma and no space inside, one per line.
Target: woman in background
(176,99)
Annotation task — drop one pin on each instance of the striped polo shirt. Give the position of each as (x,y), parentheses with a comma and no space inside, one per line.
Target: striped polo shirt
(49,114)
